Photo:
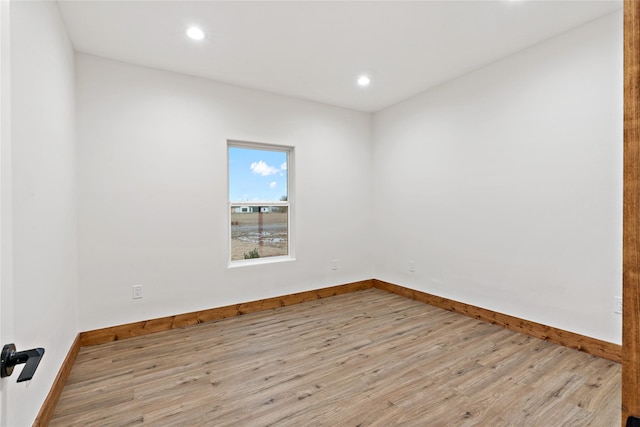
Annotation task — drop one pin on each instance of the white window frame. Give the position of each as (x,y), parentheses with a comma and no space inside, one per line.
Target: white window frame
(289,203)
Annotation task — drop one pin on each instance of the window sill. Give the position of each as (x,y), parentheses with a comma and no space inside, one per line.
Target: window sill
(260,261)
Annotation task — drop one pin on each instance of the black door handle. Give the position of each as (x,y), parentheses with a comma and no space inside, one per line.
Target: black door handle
(10,358)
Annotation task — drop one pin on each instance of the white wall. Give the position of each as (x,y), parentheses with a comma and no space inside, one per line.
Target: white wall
(505,186)
(6,255)
(45,312)
(152,192)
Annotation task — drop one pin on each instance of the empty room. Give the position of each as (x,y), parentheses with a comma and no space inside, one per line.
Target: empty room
(295,213)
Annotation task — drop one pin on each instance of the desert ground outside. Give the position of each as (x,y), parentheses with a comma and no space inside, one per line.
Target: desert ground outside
(266,232)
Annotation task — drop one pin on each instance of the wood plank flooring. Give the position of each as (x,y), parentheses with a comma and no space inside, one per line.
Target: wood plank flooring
(369,358)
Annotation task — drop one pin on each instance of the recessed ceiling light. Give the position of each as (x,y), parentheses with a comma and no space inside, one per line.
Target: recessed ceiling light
(364,81)
(195,33)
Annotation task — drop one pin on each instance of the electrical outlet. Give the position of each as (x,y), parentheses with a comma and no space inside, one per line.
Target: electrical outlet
(137,291)
(412,266)
(618,305)
(334,264)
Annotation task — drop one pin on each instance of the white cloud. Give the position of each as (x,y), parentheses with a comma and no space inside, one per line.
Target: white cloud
(283,166)
(261,168)
(273,185)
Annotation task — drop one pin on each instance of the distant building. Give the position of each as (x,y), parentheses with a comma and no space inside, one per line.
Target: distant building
(244,209)
(254,209)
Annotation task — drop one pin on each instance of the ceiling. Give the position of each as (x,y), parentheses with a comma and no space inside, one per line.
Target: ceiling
(316,50)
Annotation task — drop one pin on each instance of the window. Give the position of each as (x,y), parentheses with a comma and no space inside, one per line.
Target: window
(260,202)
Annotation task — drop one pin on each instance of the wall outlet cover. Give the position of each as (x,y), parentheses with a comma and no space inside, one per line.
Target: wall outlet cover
(137,291)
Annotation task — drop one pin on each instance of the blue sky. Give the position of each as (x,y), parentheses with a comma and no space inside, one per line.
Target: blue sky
(257,175)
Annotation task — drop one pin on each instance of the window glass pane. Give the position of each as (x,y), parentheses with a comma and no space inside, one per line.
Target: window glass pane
(259,231)
(257,175)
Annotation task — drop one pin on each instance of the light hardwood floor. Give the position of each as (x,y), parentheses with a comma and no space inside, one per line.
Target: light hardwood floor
(368,358)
